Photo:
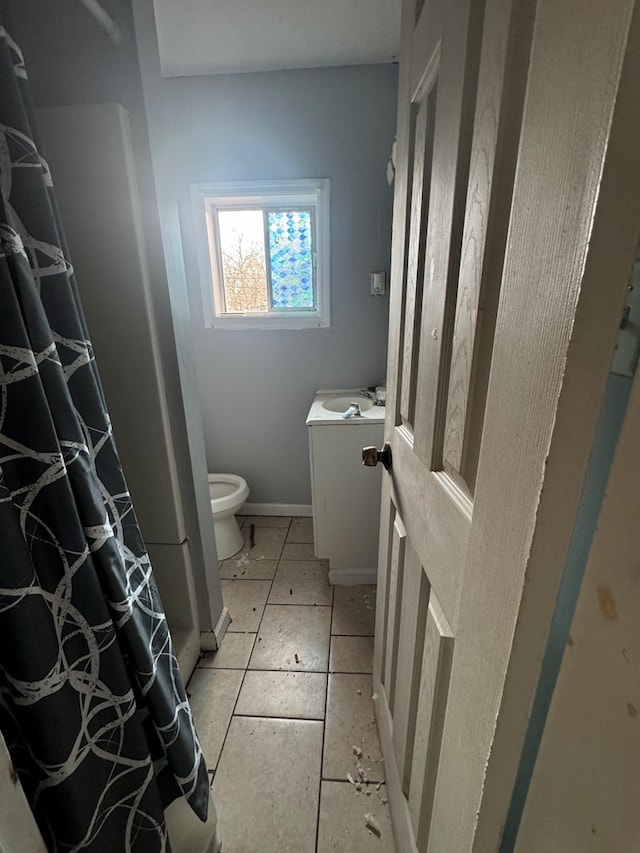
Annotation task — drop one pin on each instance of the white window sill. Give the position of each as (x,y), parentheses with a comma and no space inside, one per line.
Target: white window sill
(271,322)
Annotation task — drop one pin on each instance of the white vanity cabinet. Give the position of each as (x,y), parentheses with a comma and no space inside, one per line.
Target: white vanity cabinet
(345,494)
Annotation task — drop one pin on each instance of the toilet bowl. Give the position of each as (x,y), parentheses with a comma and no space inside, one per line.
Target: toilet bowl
(228,492)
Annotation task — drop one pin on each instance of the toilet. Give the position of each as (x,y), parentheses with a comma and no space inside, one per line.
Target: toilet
(227,492)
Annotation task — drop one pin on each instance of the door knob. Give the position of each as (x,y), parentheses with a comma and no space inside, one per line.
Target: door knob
(371,456)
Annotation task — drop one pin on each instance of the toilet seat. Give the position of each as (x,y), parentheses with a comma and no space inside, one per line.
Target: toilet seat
(227,492)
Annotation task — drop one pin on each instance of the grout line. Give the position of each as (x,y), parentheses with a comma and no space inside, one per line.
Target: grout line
(324,728)
(352,635)
(344,780)
(281,717)
(294,671)
(295,604)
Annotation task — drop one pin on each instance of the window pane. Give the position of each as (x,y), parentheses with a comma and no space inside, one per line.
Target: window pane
(290,253)
(244,268)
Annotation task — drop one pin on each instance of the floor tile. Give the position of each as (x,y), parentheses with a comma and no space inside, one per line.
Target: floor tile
(266,787)
(296,551)
(351,654)
(343,828)
(245,601)
(301,530)
(354,610)
(292,638)
(212,696)
(233,653)
(268,542)
(350,723)
(283,694)
(267,520)
(244,568)
(301,582)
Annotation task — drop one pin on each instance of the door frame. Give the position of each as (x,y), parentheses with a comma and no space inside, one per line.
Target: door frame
(582,790)
(583,140)
(18,827)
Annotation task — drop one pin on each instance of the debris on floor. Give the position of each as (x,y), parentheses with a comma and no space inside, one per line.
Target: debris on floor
(362,774)
(356,751)
(372,824)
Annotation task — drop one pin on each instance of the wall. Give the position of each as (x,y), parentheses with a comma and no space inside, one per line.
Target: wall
(71,61)
(256,386)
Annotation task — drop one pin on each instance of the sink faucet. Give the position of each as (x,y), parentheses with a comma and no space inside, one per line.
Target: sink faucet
(372,396)
(352,412)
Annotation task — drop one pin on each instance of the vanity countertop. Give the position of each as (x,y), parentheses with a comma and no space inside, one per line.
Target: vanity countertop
(319,415)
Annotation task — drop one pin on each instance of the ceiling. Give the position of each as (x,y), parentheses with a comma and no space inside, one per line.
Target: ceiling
(229,36)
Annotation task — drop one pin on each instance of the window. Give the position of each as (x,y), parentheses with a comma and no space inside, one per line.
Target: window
(264,253)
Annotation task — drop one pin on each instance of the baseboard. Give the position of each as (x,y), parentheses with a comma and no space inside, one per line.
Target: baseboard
(276,509)
(210,640)
(352,577)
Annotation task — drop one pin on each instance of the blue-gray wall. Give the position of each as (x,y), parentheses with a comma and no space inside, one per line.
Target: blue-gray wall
(337,123)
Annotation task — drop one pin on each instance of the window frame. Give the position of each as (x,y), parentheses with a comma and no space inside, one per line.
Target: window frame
(305,194)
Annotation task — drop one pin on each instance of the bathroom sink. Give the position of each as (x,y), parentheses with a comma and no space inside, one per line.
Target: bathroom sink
(341,404)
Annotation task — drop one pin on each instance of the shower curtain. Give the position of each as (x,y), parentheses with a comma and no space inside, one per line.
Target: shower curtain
(92,706)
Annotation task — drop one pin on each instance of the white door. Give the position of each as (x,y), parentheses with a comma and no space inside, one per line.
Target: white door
(509,187)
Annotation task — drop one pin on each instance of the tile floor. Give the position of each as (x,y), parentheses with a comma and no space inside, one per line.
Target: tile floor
(283,709)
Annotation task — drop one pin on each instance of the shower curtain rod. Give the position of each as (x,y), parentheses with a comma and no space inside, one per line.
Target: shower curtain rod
(104,19)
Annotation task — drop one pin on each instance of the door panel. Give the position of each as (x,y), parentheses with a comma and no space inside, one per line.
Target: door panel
(424,111)
(433,689)
(471,420)
(393,599)
(457,57)
(499,106)
(413,612)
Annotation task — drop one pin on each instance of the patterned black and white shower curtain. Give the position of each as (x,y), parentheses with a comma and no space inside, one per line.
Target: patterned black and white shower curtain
(91,702)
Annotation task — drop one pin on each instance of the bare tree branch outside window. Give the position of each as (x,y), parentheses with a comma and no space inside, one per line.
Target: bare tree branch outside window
(245,276)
